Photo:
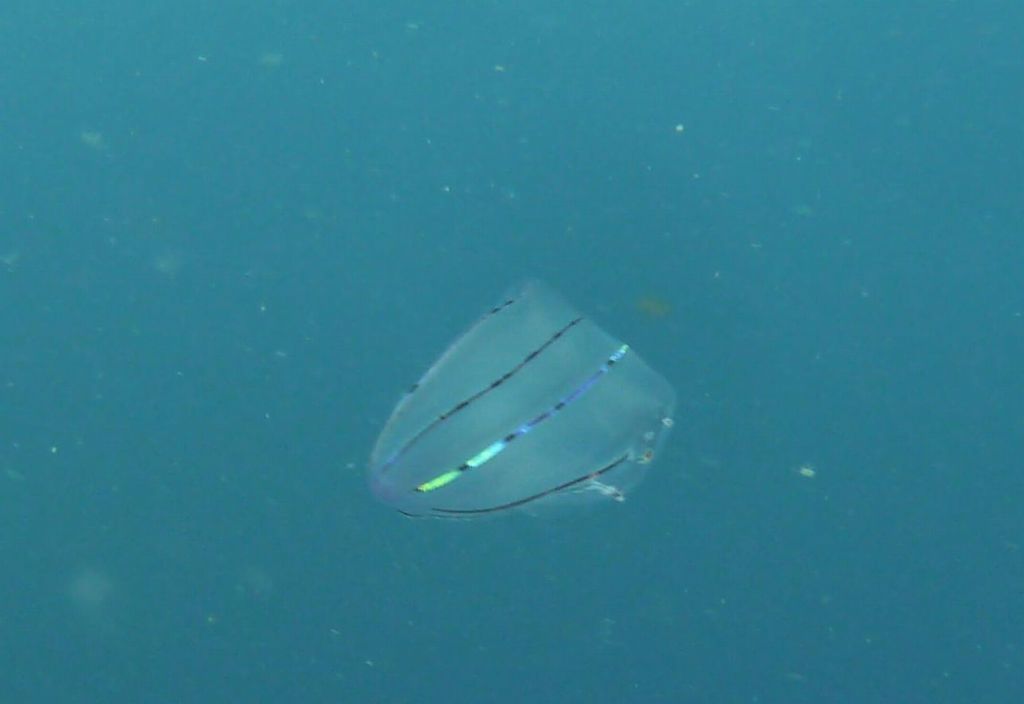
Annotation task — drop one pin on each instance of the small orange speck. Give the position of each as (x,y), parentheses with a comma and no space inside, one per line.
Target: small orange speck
(653,307)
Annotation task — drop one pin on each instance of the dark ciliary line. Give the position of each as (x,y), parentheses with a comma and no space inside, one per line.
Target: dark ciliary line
(454,512)
(472,328)
(504,377)
(487,389)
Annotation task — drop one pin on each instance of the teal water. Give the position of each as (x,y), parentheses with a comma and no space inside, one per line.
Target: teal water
(231,234)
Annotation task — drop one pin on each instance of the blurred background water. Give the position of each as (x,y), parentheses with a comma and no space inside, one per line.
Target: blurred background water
(232,233)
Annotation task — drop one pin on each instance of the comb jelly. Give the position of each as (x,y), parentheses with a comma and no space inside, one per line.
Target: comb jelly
(534,405)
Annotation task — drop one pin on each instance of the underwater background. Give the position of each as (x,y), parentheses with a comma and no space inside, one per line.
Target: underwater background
(233,233)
